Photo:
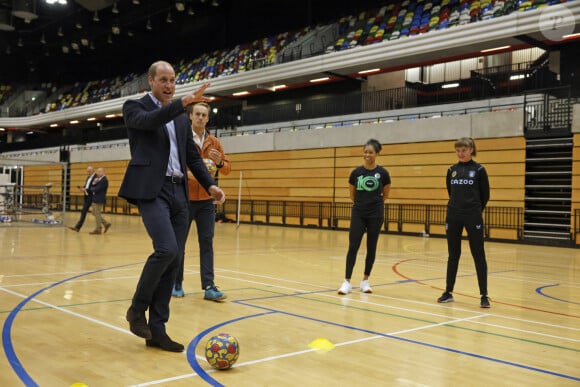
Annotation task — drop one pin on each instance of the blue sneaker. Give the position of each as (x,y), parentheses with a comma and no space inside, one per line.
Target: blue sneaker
(178,291)
(213,294)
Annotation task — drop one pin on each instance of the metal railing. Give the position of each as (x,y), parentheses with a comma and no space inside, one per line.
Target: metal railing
(327,215)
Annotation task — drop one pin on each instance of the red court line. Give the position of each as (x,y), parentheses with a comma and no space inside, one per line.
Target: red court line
(396,271)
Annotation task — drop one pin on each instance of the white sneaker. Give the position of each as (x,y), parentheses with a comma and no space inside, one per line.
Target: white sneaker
(365,287)
(345,288)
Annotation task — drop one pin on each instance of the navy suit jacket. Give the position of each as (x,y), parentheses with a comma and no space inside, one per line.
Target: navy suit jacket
(99,189)
(149,145)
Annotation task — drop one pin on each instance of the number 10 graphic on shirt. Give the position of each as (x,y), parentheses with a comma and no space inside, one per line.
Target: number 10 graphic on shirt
(367,183)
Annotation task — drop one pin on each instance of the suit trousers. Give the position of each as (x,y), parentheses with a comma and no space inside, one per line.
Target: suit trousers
(88,200)
(203,212)
(166,220)
(99,220)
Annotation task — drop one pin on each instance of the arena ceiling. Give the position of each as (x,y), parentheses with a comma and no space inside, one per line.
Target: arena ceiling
(78,40)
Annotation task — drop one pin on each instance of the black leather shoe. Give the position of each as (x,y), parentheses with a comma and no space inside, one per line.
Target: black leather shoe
(138,323)
(165,343)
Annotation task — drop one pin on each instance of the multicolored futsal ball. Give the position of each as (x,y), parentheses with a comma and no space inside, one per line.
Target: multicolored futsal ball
(222,351)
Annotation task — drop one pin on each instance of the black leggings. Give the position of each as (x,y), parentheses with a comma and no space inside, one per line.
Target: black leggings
(473,223)
(358,226)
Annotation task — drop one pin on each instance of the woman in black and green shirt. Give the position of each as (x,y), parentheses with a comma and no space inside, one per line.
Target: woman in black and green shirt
(369,188)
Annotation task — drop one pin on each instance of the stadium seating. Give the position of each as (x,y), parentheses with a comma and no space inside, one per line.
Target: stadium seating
(389,22)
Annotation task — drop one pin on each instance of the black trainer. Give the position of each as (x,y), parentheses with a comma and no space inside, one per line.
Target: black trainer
(484,302)
(445,297)
(165,343)
(138,323)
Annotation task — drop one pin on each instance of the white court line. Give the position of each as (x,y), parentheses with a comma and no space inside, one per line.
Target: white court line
(291,354)
(539,281)
(277,279)
(532,332)
(468,319)
(433,305)
(71,281)
(64,310)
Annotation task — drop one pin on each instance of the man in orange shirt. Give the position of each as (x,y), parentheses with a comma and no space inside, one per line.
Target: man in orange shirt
(201,204)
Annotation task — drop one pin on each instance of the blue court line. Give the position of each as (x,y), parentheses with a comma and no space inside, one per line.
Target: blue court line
(540,291)
(7,344)
(209,379)
(420,343)
(192,359)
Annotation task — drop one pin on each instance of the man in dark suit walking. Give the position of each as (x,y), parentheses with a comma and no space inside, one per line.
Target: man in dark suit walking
(88,198)
(161,145)
(99,188)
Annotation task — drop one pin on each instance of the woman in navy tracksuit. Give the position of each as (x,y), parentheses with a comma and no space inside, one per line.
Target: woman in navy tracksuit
(468,188)
(369,188)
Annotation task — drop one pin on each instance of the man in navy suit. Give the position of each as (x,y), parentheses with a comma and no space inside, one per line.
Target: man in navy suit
(162,147)
(99,188)
(87,198)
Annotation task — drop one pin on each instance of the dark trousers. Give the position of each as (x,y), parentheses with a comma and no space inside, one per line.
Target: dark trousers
(165,219)
(88,200)
(203,212)
(473,224)
(358,226)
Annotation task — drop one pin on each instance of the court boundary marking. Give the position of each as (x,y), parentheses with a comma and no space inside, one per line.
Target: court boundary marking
(25,377)
(7,344)
(395,269)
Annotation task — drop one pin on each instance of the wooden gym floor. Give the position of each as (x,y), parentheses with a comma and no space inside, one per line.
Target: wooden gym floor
(63,298)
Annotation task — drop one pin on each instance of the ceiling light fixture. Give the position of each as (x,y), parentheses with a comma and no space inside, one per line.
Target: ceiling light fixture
(369,71)
(572,36)
(169,19)
(96,18)
(450,85)
(115,10)
(42,39)
(59,32)
(148,25)
(180,6)
(190,11)
(495,49)
(319,80)
(239,93)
